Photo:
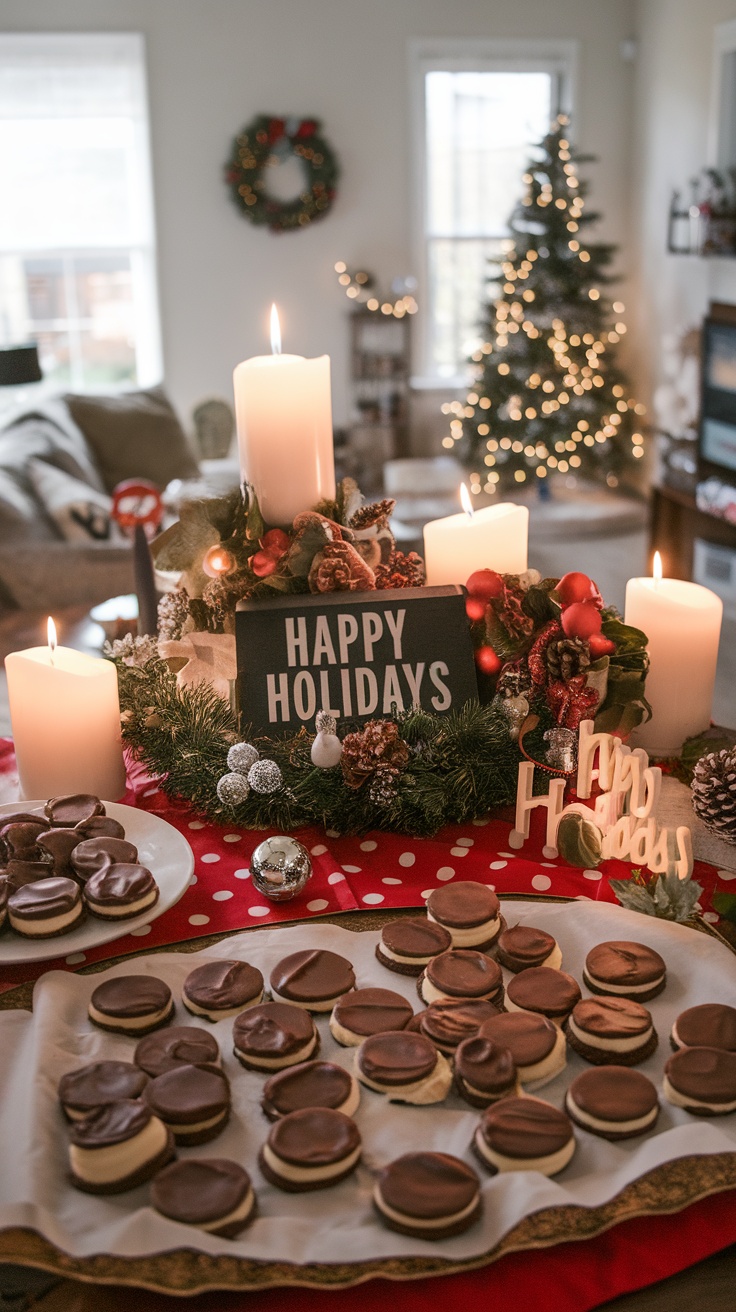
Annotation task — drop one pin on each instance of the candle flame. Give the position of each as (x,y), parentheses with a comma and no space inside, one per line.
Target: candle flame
(657,568)
(275,331)
(465,501)
(51,635)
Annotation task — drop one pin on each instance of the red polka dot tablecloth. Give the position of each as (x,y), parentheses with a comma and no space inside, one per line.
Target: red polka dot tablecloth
(375,870)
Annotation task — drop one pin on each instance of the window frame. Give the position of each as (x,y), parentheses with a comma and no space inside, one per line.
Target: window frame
(559,57)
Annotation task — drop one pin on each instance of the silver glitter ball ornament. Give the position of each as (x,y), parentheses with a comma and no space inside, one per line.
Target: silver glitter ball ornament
(265,777)
(280,867)
(562,751)
(241,757)
(232,789)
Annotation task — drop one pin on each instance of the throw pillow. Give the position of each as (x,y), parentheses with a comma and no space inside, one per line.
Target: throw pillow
(78,510)
(134,435)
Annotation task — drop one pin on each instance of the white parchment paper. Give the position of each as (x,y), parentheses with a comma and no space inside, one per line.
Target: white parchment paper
(335,1224)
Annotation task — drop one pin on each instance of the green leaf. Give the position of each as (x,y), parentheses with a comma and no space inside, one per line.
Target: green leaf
(725,905)
(633,896)
(255,525)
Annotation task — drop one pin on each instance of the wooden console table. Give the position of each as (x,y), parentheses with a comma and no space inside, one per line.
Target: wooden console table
(676,522)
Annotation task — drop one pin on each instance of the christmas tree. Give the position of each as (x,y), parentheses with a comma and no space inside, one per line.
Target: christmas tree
(549,395)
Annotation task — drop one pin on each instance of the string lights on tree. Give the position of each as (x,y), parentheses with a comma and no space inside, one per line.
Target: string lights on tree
(548,395)
(360,288)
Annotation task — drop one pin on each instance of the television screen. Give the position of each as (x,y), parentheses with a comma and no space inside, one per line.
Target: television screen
(721,357)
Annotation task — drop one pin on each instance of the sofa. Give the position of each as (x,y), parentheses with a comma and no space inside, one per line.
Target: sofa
(59,464)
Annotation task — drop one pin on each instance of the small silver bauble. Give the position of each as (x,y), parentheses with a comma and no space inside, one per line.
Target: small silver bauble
(241,757)
(280,867)
(232,789)
(562,751)
(265,777)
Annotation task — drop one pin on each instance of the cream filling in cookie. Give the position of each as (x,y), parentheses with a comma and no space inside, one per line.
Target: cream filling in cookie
(430,993)
(626,989)
(423,1222)
(541,1072)
(549,1165)
(278,1063)
(514,1091)
(326,1005)
(433,1088)
(119,1160)
(473,935)
(45,926)
(554,960)
(240,1213)
(612,1127)
(212,1014)
(308,1174)
(110,912)
(406,961)
(196,1127)
(681,1100)
(557,1020)
(610,1045)
(348,1038)
(131,1022)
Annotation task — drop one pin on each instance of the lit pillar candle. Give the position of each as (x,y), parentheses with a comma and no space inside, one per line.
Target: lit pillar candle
(65,716)
(284,416)
(682,622)
(495,537)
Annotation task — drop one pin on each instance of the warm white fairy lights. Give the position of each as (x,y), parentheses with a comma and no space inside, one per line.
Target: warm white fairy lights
(358,287)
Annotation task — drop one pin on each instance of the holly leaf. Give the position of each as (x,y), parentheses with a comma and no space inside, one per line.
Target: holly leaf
(255,525)
(186,541)
(675,898)
(633,896)
(725,905)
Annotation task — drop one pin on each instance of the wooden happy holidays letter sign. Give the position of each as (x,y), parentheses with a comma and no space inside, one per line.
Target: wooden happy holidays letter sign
(356,655)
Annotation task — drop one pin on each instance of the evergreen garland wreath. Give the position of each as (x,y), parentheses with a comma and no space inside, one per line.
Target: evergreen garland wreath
(267,141)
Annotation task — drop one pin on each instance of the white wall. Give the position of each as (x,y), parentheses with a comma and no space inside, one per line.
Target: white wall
(213,64)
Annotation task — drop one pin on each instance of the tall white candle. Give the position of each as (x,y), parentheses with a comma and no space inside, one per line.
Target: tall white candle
(495,537)
(284,416)
(65,717)
(682,622)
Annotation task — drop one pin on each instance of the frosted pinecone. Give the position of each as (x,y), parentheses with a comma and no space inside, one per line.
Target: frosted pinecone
(714,792)
(173,611)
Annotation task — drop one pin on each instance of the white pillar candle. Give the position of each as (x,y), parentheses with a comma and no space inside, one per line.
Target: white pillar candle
(682,622)
(495,537)
(284,417)
(65,717)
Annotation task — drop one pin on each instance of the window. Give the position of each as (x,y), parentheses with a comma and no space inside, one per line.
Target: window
(479,113)
(77,250)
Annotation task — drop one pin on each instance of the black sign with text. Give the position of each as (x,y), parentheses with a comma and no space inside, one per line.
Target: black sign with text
(355,654)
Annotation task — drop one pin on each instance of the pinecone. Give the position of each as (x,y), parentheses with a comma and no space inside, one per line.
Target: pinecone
(173,611)
(373,751)
(567,658)
(375,513)
(513,680)
(401,571)
(714,792)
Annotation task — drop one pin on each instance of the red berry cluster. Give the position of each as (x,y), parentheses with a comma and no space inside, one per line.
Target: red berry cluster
(581,604)
(274,544)
(483,586)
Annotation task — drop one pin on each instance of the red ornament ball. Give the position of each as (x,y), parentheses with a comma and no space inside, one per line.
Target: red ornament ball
(581,620)
(576,587)
(276,541)
(475,609)
(263,564)
(487,661)
(600,645)
(485,584)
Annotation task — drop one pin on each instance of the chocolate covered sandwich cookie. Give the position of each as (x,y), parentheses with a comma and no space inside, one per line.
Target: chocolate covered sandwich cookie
(118,1147)
(45,908)
(536,1044)
(101,826)
(702,1081)
(313,979)
(120,892)
(548,992)
(178,1045)
(4,894)
(613,1102)
(711,1025)
(22,870)
(131,1004)
(625,970)
(192,1101)
(363,1012)
(521,947)
(428,1195)
(310,1084)
(484,1072)
(75,809)
(471,912)
(218,990)
(97,1085)
(451,1020)
(210,1193)
(461,973)
(274,1035)
(611,1030)
(93,854)
(310,1149)
(407,946)
(405,1067)
(524,1134)
(58,845)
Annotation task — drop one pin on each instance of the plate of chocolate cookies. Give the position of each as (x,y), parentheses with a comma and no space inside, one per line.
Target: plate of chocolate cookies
(76,872)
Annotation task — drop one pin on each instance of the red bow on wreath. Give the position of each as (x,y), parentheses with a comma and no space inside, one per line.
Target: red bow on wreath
(571,702)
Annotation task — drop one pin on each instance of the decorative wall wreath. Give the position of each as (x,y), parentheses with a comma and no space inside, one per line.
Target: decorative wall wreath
(268,141)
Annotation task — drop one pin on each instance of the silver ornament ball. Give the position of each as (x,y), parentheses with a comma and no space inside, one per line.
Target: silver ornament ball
(280,867)
(241,757)
(232,789)
(265,777)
